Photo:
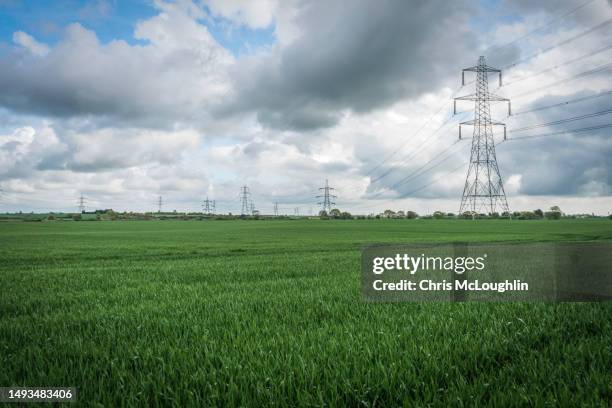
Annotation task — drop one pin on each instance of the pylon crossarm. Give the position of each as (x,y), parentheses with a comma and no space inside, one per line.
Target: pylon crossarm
(493,97)
(472,123)
(471,97)
(490,97)
(482,68)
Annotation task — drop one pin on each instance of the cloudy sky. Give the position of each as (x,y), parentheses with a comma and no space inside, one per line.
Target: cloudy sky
(125,101)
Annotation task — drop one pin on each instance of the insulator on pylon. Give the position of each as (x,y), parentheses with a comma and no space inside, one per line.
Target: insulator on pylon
(509,109)
(500,79)
(505,132)
(459,132)
(462,78)
(454,107)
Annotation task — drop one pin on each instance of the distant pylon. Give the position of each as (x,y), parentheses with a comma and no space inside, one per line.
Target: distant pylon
(252,208)
(82,201)
(208,206)
(159,204)
(296,211)
(244,199)
(484,189)
(276,209)
(326,204)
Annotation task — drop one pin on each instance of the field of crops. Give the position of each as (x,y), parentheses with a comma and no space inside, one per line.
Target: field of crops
(257,313)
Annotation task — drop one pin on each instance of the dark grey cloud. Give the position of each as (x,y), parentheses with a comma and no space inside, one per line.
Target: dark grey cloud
(559,12)
(567,164)
(358,56)
(169,80)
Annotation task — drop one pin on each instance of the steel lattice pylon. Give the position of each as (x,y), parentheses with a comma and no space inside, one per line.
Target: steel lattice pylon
(326,204)
(244,200)
(484,189)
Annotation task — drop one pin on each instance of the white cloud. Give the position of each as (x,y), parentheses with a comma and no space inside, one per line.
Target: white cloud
(255,14)
(29,43)
(125,122)
(175,77)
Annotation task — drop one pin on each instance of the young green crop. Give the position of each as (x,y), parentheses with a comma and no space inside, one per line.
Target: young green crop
(254,313)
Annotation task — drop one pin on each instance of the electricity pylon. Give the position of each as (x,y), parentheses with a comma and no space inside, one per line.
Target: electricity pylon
(276,209)
(326,204)
(244,199)
(208,206)
(159,204)
(484,189)
(82,201)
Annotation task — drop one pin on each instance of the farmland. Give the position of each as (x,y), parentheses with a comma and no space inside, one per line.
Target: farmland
(256,313)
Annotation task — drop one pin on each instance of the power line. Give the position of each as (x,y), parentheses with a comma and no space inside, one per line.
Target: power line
(559,44)
(399,147)
(432,182)
(403,144)
(422,170)
(437,179)
(541,28)
(577,76)
(418,171)
(590,54)
(584,98)
(415,151)
(566,120)
(580,130)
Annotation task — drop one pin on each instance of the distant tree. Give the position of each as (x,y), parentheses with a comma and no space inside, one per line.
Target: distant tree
(334,213)
(555,213)
(527,215)
(494,215)
(322,213)
(76,217)
(400,214)
(438,215)
(388,213)
(346,215)
(411,215)
(539,213)
(610,216)
(450,215)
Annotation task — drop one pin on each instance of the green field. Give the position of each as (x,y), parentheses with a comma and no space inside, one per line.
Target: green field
(257,313)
